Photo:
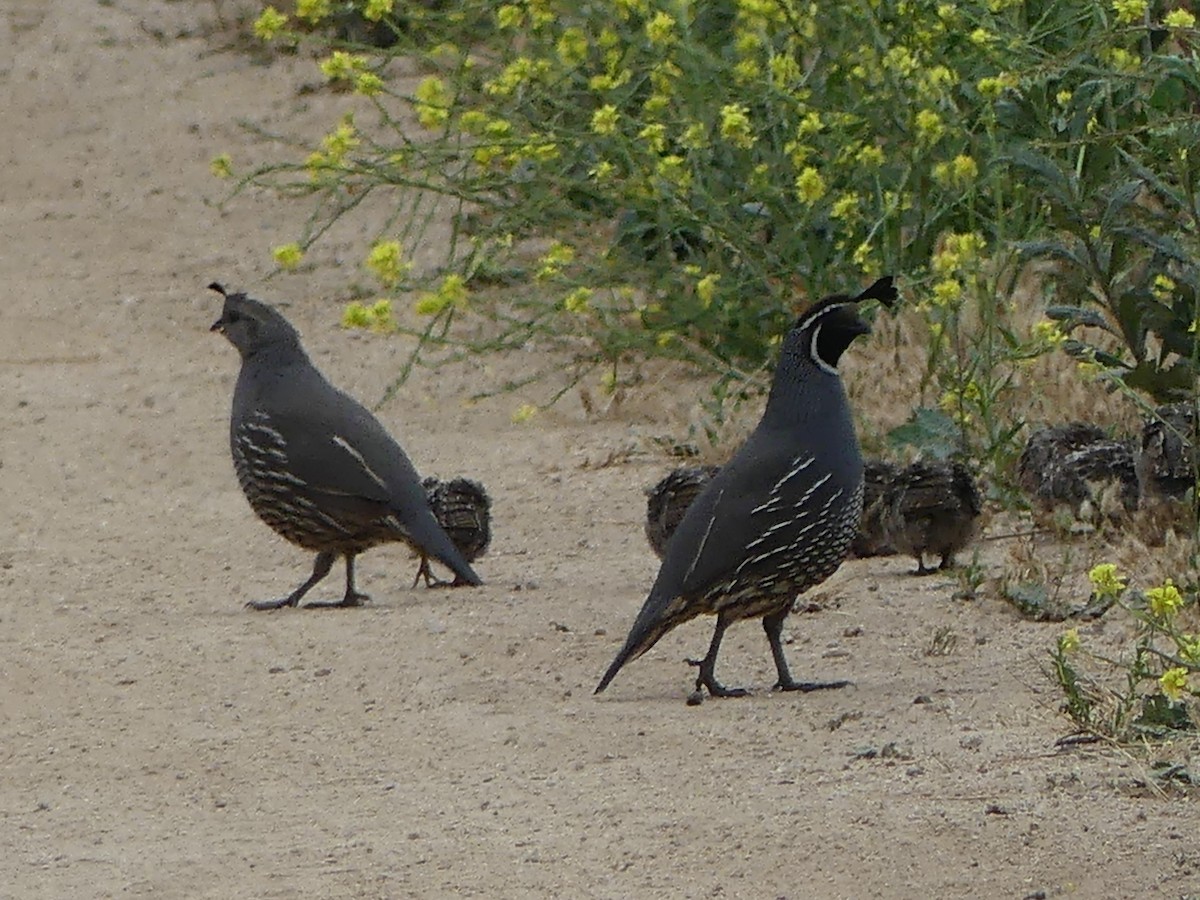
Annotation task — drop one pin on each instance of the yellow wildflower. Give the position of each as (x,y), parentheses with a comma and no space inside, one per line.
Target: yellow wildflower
(524,413)
(706,288)
(387,262)
(269,24)
(1107,581)
(312,11)
(1164,601)
(604,120)
(1174,682)
(433,100)
(221,166)
(1179,18)
(1129,11)
(288,256)
(810,186)
(377,9)
(660,29)
(735,125)
(578,300)
(1068,641)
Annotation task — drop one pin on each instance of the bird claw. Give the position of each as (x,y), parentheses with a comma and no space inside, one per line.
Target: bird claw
(714,687)
(807,686)
(264,605)
(347,602)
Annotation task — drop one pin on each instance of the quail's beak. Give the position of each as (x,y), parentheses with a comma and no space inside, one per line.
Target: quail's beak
(218,325)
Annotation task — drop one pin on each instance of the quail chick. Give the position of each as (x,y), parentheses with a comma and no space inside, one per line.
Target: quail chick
(872,538)
(669,499)
(1079,466)
(464,510)
(1167,463)
(932,509)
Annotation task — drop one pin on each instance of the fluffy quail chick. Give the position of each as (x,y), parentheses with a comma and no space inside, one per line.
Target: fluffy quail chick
(1167,463)
(464,510)
(933,509)
(1079,466)
(314,464)
(779,517)
(668,501)
(872,538)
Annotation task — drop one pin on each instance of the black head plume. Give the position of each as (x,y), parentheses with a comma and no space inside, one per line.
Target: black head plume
(251,325)
(823,332)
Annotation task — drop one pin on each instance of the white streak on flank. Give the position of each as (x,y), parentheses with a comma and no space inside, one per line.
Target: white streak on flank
(345,445)
(704,540)
(802,463)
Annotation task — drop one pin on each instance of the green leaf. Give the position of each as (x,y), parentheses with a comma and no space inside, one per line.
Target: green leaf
(1160,716)
(930,431)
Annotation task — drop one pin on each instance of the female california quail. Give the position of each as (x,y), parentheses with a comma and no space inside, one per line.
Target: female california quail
(668,501)
(1079,466)
(1168,461)
(872,538)
(778,518)
(932,507)
(316,465)
(464,510)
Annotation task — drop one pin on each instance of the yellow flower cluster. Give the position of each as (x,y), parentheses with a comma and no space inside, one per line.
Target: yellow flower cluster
(386,260)
(605,119)
(433,99)
(1164,601)
(377,317)
(1174,683)
(377,9)
(221,165)
(1107,580)
(810,186)
(1129,11)
(288,256)
(1179,19)
(312,11)
(1048,333)
(452,292)
(735,126)
(554,260)
(1069,641)
(958,172)
(578,301)
(268,25)
(572,47)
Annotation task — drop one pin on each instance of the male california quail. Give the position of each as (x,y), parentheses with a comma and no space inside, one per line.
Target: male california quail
(316,465)
(778,518)
(464,510)
(668,501)
(932,508)
(1079,466)
(1168,461)
(872,538)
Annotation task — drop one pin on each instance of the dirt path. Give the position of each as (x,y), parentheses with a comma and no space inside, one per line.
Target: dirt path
(157,740)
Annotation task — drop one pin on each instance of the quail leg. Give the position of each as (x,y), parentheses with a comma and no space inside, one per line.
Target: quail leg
(922,569)
(773,626)
(320,569)
(947,562)
(352,597)
(431,580)
(707,677)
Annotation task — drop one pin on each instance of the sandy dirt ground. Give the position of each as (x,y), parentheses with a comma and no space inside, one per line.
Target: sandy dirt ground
(156,740)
